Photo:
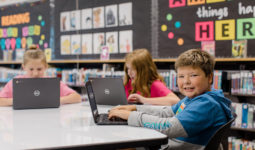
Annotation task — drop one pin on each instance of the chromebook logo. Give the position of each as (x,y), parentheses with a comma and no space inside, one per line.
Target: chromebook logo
(36,93)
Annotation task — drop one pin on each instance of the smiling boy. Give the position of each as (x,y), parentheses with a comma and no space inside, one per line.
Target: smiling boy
(192,121)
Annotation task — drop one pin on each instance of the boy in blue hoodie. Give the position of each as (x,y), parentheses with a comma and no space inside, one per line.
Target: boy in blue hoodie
(192,121)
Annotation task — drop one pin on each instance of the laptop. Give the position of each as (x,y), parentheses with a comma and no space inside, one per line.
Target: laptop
(100,119)
(34,93)
(109,91)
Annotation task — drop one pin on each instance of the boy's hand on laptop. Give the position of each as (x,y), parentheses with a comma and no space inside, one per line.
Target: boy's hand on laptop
(125,107)
(136,98)
(123,114)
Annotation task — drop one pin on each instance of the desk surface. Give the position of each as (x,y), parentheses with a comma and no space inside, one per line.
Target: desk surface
(68,126)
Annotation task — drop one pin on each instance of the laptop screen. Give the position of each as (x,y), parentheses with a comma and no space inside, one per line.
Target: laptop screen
(109,91)
(92,100)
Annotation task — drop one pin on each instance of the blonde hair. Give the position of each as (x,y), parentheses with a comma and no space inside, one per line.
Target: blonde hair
(196,58)
(34,53)
(146,69)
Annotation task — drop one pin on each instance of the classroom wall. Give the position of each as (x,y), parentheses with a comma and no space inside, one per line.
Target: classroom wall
(165,27)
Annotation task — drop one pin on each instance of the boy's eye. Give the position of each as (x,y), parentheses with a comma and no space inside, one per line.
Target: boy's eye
(180,76)
(31,69)
(193,75)
(39,69)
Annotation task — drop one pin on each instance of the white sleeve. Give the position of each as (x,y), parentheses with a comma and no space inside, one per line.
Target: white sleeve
(170,126)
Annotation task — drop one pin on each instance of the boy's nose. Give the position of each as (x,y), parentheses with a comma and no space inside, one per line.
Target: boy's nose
(186,80)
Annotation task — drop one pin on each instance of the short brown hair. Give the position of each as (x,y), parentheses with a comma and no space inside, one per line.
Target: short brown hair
(196,58)
(34,53)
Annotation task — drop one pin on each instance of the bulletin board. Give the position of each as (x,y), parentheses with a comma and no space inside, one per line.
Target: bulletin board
(84,27)
(24,24)
(186,24)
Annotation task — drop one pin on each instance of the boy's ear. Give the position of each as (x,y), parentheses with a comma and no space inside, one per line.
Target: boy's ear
(211,78)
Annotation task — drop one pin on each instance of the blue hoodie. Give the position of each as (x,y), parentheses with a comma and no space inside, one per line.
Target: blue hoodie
(202,116)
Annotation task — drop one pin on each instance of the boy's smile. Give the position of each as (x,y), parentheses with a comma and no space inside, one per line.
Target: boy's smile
(192,81)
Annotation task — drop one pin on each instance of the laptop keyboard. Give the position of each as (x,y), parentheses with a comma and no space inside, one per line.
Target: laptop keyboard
(103,118)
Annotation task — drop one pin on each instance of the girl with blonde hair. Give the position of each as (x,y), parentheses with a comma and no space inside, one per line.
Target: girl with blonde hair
(35,65)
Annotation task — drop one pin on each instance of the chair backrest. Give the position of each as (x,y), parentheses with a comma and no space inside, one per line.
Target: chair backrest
(220,134)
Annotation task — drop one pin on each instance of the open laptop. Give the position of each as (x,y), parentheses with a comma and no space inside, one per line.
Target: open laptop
(100,119)
(109,91)
(33,93)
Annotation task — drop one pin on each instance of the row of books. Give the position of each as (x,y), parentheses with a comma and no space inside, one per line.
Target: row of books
(243,82)
(6,74)
(170,78)
(245,115)
(80,76)
(219,80)
(240,144)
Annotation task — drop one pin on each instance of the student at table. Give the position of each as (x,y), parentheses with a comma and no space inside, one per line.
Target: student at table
(35,64)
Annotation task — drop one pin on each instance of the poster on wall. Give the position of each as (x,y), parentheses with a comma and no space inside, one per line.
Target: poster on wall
(112,41)
(115,25)
(65,21)
(75,20)
(111,16)
(24,25)
(65,45)
(86,44)
(125,41)
(125,17)
(185,25)
(86,18)
(76,44)
(98,42)
(98,17)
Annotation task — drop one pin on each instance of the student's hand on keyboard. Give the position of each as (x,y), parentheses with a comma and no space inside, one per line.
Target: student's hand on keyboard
(136,98)
(123,114)
(116,119)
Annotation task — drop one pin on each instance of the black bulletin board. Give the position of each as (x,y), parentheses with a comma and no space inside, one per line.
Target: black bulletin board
(26,24)
(141,25)
(187,15)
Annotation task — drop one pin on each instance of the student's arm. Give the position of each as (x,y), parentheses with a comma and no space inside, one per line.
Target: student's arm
(68,95)
(5,101)
(170,126)
(124,111)
(170,99)
(6,95)
(71,98)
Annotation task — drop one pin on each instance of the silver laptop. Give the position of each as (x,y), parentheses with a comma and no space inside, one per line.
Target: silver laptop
(100,119)
(34,93)
(109,91)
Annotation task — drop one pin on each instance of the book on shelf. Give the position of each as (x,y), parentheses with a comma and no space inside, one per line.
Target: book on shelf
(19,53)
(250,116)
(47,53)
(243,82)
(239,48)
(244,115)
(208,46)
(235,143)
(253,122)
